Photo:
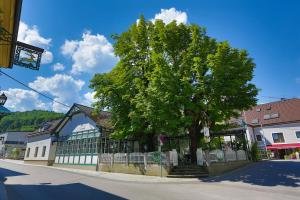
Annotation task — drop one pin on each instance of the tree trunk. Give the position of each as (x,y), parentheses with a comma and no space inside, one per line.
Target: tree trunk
(194,133)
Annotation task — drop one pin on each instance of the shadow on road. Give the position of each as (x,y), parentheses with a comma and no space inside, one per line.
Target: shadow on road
(74,191)
(47,191)
(266,173)
(6,173)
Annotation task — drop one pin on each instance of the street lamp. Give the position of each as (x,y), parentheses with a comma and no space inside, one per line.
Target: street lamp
(3,99)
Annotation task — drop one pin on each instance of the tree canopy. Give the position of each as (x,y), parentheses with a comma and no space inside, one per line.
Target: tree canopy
(173,79)
(26,121)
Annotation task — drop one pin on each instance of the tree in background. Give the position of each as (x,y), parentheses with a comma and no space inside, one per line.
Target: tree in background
(27,121)
(173,79)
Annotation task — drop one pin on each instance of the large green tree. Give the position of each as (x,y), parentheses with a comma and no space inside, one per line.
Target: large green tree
(172,79)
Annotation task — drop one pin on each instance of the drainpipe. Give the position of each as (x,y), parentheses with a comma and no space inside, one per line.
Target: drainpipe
(264,140)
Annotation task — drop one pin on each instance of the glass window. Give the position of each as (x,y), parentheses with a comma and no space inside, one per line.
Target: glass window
(28,152)
(36,151)
(255,121)
(44,151)
(278,137)
(258,138)
(298,134)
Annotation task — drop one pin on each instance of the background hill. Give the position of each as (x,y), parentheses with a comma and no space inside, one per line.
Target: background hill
(26,121)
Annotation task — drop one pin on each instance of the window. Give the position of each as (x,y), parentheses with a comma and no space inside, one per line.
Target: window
(255,121)
(44,151)
(258,138)
(298,134)
(274,115)
(36,151)
(278,137)
(28,152)
(258,109)
(271,116)
(2,140)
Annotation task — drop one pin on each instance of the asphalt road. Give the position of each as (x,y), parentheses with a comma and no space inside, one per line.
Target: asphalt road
(265,180)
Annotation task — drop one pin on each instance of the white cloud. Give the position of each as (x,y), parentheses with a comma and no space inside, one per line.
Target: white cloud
(31,35)
(22,100)
(89,98)
(47,57)
(92,54)
(58,67)
(168,15)
(69,47)
(63,88)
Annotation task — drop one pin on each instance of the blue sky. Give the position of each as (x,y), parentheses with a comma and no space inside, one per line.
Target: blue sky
(268,29)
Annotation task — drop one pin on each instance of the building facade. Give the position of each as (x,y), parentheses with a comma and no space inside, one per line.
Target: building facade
(275,127)
(41,144)
(13,144)
(78,136)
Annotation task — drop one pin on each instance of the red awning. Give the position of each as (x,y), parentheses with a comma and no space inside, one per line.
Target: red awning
(284,146)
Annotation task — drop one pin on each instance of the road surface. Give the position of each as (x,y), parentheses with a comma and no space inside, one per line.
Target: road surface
(276,180)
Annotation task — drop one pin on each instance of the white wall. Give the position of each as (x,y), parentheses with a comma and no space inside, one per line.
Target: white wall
(250,136)
(288,130)
(49,153)
(78,122)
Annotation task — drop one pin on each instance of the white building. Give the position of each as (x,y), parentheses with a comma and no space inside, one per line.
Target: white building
(13,141)
(275,126)
(78,137)
(41,144)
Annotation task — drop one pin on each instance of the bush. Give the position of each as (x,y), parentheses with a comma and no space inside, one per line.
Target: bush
(15,153)
(254,152)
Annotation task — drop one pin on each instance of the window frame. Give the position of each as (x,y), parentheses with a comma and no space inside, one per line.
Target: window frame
(258,140)
(28,152)
(278,140)
(36,151)
(297,133)
(44,151)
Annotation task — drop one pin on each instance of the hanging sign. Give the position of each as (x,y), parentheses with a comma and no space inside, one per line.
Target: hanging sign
(28,56)
(3,99)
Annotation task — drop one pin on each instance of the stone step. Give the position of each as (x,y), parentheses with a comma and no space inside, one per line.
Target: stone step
(189,169)
(188,176)
(187,172)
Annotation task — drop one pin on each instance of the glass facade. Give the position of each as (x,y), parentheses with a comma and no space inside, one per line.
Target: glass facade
(79,148)
(82,148)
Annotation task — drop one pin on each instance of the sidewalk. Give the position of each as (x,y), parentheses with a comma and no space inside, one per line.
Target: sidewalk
(115,176)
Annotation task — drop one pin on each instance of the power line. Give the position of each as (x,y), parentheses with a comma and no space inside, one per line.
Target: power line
(47,97)
(271,97)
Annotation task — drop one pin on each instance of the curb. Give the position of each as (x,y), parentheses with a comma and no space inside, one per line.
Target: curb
(129,178)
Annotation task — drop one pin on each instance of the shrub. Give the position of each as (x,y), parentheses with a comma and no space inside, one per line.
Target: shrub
(254,152)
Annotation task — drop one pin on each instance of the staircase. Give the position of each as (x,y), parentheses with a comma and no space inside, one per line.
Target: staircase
(188,171)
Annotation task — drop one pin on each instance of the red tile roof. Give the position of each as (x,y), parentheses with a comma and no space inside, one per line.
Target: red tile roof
(288,111)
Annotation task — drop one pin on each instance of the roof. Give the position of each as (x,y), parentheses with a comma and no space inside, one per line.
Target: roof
(102,119)
(229,132)
(45,128)
(279,112)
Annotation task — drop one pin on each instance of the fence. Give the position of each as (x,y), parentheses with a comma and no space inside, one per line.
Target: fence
(138,158)
(224,156)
